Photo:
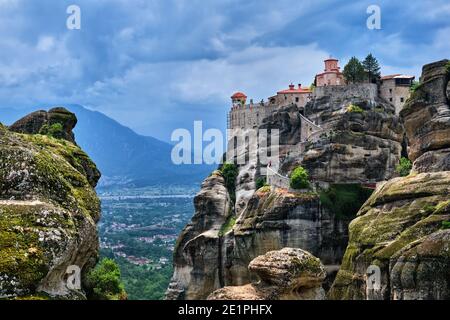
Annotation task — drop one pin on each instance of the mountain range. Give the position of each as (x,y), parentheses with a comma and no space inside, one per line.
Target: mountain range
(124,157)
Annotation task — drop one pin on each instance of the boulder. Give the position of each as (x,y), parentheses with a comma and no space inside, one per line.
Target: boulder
(287,274)
(58,122)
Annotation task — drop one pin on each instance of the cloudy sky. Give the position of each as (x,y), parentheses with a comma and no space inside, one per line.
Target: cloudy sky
(157,65)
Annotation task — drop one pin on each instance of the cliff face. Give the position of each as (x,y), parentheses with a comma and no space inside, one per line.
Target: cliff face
(427,120)
(364,138)
(278,219)
(356,147)
(48,208)
(400,228)
(197,254)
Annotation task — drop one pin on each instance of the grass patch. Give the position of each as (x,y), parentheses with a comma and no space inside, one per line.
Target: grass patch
(227,226)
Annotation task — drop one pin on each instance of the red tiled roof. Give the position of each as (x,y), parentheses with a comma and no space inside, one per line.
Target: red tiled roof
(292,89)
(238,95)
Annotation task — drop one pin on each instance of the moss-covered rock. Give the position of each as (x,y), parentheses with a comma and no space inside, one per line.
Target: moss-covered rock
(57,122)
(398,230)
(48,214)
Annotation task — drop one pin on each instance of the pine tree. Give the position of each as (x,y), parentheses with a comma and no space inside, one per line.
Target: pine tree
(354,71)
(372,68)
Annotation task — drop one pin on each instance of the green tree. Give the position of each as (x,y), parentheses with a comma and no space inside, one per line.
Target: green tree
(104,282)
(354,71)
(299,178)
(230,172)
(372,68)
(404,167)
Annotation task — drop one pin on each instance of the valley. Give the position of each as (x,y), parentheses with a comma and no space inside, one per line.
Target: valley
(138,229)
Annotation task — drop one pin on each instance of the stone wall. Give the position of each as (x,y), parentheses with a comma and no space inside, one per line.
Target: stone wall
(250,116)
(367,91)
(396,95)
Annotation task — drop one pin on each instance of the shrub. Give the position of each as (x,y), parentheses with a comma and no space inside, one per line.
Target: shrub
(260,182)
(55,130)
(354,109)
(230,172)
(404,167)
(447,66)
(345,200)
(299,178)
(105,283)
(446,225)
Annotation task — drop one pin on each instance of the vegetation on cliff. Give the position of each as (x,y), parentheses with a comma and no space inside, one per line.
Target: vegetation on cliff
(230,172)
(344,200)
(299,178)
(104,282)
(404,167)
(48,210)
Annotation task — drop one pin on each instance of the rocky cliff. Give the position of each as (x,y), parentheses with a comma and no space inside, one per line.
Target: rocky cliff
(360,142)
(401,229)
(198,249)
(363,139)
(48,207)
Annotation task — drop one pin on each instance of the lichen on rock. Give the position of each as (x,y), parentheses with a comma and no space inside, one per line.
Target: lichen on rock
(399,227)
(48,212)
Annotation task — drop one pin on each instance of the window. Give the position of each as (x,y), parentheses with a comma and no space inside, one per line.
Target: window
(390,99)
(297,99)
(390,90)
(402,99)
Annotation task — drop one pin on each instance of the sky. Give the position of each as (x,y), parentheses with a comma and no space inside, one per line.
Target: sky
(158,65)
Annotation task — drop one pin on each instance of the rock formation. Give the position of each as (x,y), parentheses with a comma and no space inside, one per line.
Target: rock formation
(363,139)
(355,147)
(198,249)
(288,274)
(277,219)
(60,120)
(48,208)
(400,229)
(427,120)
